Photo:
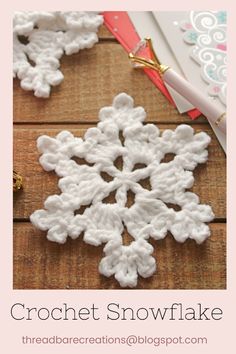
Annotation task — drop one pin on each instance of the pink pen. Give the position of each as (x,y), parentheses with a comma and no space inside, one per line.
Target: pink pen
(208,108)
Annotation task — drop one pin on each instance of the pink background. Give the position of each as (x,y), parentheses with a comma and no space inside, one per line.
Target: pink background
(220,333)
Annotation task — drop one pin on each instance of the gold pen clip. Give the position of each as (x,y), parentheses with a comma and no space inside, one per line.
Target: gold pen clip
(142,62)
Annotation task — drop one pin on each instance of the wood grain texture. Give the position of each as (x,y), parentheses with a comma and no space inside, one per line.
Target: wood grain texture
(41,264)
(92,78)
(104,33)
(38,184)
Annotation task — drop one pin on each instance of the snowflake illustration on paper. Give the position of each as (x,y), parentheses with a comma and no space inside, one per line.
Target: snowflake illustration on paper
(41,38)
(206,32)
(80,208)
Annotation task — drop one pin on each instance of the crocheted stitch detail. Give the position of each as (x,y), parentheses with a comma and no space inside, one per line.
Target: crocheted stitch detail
(151,215)
(41,38)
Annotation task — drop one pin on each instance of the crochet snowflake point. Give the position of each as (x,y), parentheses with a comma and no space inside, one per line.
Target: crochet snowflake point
(41,38)
(103,194)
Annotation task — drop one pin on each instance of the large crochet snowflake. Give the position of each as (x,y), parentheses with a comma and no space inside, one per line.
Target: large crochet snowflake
(41,38)
(151,215)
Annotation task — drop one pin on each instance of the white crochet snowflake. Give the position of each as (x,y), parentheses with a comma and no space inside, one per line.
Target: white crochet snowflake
(41,38)
(150,215)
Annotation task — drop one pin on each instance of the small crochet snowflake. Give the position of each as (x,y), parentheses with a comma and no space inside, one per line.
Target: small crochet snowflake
(41,38)
(80,208)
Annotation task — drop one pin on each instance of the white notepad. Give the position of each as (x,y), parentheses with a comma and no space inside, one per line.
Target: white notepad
(165,30)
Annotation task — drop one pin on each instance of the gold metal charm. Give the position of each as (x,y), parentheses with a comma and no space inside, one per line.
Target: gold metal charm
(17,181)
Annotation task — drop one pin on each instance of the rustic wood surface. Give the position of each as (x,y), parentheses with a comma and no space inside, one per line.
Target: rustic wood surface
(92,78)
(39,263)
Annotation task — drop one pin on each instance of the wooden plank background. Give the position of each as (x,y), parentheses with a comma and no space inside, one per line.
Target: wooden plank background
(92,78)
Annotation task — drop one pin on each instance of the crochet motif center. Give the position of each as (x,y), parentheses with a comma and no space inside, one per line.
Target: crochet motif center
(89,173)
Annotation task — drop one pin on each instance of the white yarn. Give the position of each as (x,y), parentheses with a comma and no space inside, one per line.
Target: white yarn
(149,216)
(49,35)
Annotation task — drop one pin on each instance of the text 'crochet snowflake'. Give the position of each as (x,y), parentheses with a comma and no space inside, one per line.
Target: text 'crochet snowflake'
(150,216)
(41,38)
